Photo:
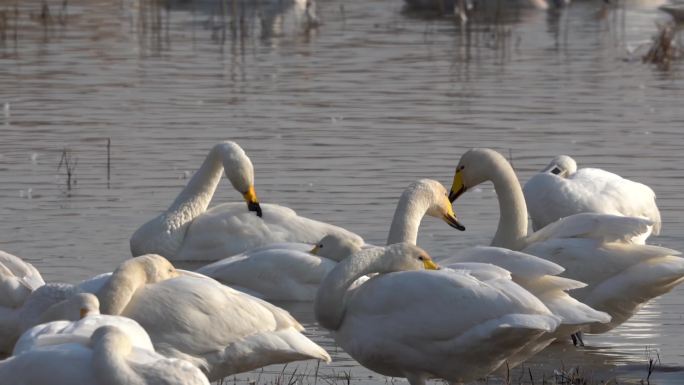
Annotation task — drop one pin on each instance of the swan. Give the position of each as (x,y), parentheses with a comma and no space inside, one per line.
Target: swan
(56,332)
(193,317)
(18,279)
(187,231)
(536,275)
(50,302)
(560,190)
(291,272)
(284,271)
(593,248)
(106,357)
(417,324)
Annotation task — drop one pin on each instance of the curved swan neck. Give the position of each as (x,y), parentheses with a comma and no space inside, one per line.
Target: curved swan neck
(330,302)
(110,349)
(407,217)
(122,285)
(512,229)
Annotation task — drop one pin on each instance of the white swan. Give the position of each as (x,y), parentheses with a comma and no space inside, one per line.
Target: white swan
(58,332)
(290,272)
(107,357)
(18,279)
(534,274)
(424,324)
(593,248)
(193,317)
(50,302)
(188,231)
(282,272)
(560,190)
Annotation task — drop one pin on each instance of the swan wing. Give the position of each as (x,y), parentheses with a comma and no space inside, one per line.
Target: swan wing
(229,229)
(274,273)
(17,280)
(603,227)
(55,364)
(520,264)
(463,320)
(218,328)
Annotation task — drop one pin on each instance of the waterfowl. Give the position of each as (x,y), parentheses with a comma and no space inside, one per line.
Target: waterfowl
(560,190)
(106,357)
(408,322)
(593,248)
(193,317)
(188,231)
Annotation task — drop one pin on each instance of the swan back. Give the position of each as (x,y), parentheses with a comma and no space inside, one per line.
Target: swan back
(129,277)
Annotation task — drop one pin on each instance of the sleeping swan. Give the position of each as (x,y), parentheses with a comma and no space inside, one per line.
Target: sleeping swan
(192,317)
(187,231)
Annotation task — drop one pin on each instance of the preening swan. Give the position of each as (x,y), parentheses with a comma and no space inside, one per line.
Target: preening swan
(291,272)
(560,190)
(282,272)
(407,322)
(188,231)
(534,274)
(593,248)
(106,357)
(193,317)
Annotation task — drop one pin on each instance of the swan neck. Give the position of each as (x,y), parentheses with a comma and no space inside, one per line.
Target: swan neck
(330,303)
(196,196)
(109,361)
(512,228)
(116,294)
(407,217)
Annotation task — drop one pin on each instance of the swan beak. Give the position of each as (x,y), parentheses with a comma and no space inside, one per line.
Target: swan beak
(451,220)
(252,201)
(314,251)
(429,264)
(83,313)
(457,188)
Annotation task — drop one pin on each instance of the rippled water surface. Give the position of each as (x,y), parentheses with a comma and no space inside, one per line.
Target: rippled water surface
(337,119)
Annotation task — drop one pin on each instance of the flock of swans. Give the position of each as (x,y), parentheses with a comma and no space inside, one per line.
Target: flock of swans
(586,268)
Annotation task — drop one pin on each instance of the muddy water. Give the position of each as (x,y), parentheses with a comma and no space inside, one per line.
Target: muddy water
(337,119)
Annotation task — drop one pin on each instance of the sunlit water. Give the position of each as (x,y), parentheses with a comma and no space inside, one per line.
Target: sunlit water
(337,119)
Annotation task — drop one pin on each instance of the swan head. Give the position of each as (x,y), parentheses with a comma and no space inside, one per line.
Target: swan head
(476,166)
(336,247)
(240,172)
(73,308)
(405,256)
(87,303)
(154,267)
(436,199)
(561,165)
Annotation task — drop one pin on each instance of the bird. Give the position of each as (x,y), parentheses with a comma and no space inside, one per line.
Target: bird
(187,231)
(193,317)
(106,357)
(418,324)
(593,248)
(282,271)
(560,190)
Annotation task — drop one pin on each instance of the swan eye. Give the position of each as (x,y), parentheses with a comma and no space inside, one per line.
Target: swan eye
(556,171)
(461,167)
(320,246)
(421,258)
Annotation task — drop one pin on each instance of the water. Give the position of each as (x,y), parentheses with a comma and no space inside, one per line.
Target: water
(337,119)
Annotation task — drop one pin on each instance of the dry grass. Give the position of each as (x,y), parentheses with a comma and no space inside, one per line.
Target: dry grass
(664,48)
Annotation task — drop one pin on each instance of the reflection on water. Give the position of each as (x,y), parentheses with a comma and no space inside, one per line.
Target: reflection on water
(338,118)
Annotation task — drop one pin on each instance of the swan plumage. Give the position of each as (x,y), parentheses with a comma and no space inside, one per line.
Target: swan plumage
(284,271)
(560,190)
(593,248)
(538,276)
(105,356)
(193,317)
(188,231)
(408,322)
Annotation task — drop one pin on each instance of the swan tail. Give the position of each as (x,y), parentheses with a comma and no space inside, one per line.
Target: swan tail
(636,285)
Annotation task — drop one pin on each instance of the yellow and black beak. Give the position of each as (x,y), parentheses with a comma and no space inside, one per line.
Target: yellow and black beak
(429,264)
(252,201)
(457,188)
(84,312)
(314,251)
(450,218)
